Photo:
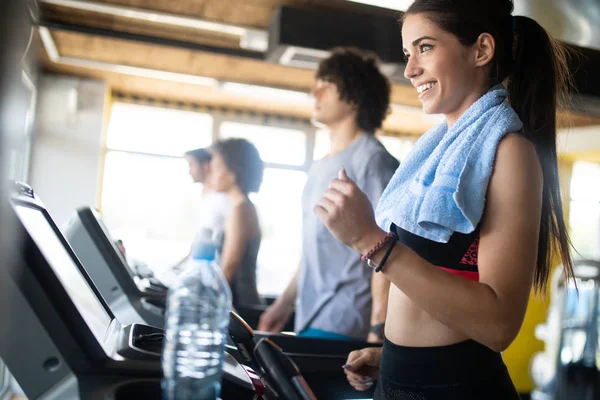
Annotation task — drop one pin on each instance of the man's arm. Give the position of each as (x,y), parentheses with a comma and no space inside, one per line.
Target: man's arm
(288,297)
(277,315)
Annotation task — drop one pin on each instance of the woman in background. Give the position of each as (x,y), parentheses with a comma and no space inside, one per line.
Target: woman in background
(236,169)
(214,207)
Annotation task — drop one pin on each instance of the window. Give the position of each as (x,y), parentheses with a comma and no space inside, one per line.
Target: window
(275,145)
(280,212)
(148,198)
(157,130)
(147,202)
(584,219)
(322,144)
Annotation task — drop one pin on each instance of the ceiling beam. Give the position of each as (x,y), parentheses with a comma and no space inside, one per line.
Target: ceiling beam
(249,38)
(136,37)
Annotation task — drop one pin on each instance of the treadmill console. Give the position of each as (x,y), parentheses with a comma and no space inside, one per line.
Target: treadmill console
(85,300)
(101,353)
(131,298)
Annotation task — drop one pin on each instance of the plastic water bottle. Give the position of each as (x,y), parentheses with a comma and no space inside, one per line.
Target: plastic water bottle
(197,320)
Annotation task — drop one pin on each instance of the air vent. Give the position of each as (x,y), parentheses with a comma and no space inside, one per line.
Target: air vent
(302,57)
(302,38)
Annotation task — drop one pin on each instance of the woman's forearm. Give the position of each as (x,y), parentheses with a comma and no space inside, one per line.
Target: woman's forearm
(468,307)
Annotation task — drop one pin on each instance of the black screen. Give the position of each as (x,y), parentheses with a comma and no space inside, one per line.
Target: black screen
(78,289)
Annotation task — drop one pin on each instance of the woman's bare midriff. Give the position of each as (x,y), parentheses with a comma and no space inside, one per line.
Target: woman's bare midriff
(409,325)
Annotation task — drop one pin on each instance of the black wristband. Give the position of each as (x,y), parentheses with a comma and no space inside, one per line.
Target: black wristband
(378,329)
(387,253)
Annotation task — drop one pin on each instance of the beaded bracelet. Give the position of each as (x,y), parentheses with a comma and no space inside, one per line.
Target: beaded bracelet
(378,246)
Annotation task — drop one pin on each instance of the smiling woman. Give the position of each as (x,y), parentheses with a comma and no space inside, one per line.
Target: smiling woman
(471,220)
(438,66)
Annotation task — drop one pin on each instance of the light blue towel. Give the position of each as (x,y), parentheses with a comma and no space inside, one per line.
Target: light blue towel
(440,187)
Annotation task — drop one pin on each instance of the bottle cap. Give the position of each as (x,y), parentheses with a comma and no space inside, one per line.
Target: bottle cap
(204,247)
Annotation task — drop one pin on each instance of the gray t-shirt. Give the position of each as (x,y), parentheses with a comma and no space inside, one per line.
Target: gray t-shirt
(334,287)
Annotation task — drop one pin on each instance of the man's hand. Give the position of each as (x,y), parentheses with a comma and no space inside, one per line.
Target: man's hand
(275,317)
(347,213)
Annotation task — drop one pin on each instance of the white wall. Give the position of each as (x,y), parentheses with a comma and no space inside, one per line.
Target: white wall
(65,161)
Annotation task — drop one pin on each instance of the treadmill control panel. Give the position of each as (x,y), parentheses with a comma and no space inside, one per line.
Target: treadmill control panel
(80,292)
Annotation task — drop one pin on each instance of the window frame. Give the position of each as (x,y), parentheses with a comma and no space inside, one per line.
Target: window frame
(280,124)
(106,148)
(19,170)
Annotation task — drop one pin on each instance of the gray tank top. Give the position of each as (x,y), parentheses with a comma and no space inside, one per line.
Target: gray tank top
(243,286)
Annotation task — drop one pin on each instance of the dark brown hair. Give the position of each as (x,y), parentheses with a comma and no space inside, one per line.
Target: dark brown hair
(533,67)
(243,160)
(202,156)
(359,81)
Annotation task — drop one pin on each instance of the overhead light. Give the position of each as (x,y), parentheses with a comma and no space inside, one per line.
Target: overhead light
(255,39)
(302,57)
(253,91)
(142,72)
(267,93)
(250,38)
(49,44)
(399,5)
(55,56)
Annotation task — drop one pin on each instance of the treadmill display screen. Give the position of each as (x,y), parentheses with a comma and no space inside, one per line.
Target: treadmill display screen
(75,284)
(108,237)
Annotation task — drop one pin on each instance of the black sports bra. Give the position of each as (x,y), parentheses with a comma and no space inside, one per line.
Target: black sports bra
(458,256)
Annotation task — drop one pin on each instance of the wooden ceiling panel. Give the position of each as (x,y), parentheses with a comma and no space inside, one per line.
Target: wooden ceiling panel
(226,68)
(398,124)
(405,95)
(247,13)
(222,67)
(252,13)
(181,60)
(412,123)
(124,24)
(204,64)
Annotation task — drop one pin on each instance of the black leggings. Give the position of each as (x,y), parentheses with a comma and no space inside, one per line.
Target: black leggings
(465,371)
